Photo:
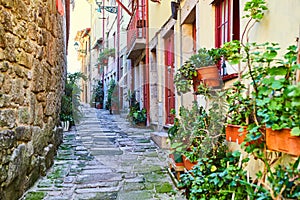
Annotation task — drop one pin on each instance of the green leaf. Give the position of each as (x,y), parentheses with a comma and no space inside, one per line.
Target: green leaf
(236,154)
(270,55)
(277,84)
(295,67)
(295,131)
(280,71)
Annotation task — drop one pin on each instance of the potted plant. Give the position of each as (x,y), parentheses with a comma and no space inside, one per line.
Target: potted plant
(199,68)
(98,95)
(175,156)
(278,97)
(110,92)
(189,136)
(205,63)
(136,115)
(183,78)
(70,101)
(240,109)
(219,176)
(105,54)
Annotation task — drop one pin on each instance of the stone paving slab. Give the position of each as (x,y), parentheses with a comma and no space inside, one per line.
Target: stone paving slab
(106,158)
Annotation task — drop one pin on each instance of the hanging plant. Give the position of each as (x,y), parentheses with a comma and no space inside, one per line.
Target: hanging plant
(105,54)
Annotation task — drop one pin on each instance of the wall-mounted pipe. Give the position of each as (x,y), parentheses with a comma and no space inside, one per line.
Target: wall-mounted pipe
(147,89)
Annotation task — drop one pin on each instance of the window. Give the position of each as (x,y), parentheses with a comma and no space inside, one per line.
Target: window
(194,37)
(227,21)
(227,27)
(114,40)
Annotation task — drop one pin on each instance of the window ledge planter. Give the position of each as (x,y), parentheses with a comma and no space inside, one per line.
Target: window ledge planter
(234,135)
(176,163)
(209,76)
(176,159)
(281,140)
(187,163)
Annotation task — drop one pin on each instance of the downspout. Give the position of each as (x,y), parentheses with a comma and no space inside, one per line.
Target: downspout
(180,44)
(103,26)
(90,50)
(103,45)
(147,65)
(118,55)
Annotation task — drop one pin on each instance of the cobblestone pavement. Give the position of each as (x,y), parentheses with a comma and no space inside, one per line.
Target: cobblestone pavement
(104,157)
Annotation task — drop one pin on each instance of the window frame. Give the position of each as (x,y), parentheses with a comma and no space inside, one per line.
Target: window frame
(227,28)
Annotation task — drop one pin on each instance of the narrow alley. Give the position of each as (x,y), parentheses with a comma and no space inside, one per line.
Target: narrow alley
(104,157)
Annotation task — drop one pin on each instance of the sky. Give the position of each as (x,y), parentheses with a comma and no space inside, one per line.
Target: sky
(80,19)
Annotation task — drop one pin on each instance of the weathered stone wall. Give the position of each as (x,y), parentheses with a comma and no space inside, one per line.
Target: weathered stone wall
(32,68)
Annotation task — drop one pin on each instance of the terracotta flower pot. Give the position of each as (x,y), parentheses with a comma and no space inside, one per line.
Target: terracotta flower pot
(281,140)
(187,163)
(209,75)
(233,134)
(105,61)
(177,158)
(99,106)
(176,163)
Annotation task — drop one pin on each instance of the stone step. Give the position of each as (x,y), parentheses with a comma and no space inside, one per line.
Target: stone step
(106,151)
(99,177)
(161,139)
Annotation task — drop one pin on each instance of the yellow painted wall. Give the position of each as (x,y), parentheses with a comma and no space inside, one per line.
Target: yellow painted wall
(205,23)
(281,23)
(159,13)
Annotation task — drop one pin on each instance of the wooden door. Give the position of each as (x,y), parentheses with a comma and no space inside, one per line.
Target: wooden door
(169,78)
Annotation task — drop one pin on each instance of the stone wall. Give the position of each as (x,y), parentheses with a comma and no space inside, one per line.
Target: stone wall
(32,70)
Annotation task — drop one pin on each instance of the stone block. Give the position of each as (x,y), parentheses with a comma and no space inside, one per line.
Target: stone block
(5,100)
(50,104)
(19,163)
(5,17)
(23,115)
(32,31)
(7,139)
(17,91)
(27,46)
(3,173)
(4,66)
(7,84)
(23,133)
(1,80)
(20,30)
(161,139)
(24,59)
(49,153)
(7,118)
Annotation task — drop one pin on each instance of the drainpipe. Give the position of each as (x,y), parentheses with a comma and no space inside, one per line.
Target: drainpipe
(103,26)
(147,65)
(118,56)
(180,44)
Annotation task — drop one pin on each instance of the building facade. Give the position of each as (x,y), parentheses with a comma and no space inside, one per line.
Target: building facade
(162,35)
(83,47)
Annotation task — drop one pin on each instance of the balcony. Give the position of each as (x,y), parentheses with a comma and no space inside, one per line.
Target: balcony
(136,34)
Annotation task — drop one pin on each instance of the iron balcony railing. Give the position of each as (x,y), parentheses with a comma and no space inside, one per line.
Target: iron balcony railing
(137,25)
